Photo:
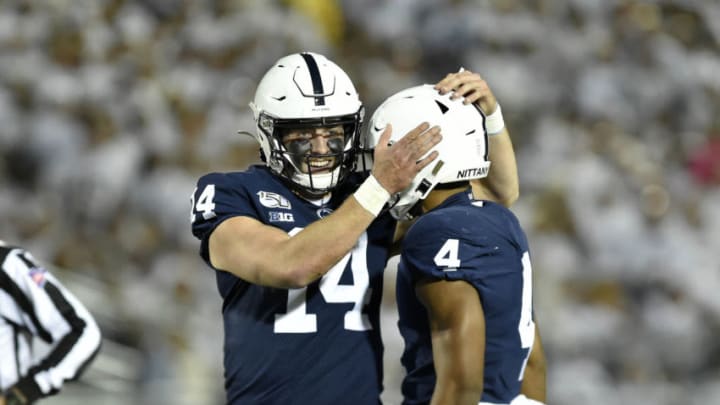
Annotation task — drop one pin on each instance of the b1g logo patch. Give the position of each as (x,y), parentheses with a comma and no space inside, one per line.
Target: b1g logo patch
(37,274)
(276,216)
(273,200)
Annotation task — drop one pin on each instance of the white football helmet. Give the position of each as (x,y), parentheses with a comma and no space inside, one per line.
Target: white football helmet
(463,151)
(306,90)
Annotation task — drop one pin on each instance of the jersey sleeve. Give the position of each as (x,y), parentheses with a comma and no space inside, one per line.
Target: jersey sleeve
(432,249)
(216,198)
(52,313)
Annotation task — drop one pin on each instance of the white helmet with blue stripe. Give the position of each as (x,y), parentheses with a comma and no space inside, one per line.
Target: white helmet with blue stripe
(307,90)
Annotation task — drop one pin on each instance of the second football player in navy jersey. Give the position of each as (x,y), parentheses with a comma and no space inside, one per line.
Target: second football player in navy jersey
(464,282)
(481,244)
(299,245)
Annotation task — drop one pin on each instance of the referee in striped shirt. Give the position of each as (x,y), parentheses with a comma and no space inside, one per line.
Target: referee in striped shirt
(34,304)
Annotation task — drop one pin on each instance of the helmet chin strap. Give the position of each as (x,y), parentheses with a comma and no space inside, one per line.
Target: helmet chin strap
(307,191)
(317,184)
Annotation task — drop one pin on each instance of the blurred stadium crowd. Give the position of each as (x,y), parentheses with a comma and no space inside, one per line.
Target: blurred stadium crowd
(111,109)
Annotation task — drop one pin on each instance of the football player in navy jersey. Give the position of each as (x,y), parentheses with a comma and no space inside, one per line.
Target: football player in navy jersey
(464,282)
(299,245)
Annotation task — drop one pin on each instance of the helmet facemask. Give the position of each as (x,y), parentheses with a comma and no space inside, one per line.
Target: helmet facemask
(294,160)
(307,91)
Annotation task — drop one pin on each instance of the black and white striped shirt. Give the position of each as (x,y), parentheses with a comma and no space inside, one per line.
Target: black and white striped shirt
(34,304)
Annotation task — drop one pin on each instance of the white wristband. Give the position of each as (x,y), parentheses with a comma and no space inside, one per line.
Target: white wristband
(371,195)
(494,122)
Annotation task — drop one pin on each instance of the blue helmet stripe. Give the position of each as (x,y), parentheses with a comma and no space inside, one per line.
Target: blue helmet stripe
(316,79)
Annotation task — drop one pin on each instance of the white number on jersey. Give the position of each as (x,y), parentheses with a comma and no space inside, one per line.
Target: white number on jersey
(298,320)
(447,256)
(526,328)
(205,203)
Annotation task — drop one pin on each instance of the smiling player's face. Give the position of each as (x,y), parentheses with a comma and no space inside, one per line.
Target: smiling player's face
(315,150)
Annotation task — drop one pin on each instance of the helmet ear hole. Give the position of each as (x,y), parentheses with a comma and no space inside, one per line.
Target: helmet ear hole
(423,188)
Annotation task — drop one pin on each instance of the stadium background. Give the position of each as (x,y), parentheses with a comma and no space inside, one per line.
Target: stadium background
(111,109)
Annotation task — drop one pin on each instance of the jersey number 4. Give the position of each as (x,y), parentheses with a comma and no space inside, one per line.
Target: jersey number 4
(298,320)
(448,259)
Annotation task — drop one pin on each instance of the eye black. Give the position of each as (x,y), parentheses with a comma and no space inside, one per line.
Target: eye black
(335,145)
(299,146)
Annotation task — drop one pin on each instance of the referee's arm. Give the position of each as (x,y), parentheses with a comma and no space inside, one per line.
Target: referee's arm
(52,313)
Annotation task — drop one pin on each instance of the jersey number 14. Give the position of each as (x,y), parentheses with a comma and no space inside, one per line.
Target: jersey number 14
(298,320)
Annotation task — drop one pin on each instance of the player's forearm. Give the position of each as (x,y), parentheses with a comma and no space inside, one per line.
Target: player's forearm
(312,252)
(502,183)
(264,255)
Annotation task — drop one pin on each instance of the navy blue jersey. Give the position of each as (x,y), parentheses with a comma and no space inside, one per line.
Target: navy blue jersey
(315,345)
(481,243)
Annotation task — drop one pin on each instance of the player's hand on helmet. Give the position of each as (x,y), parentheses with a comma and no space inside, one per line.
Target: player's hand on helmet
(470,86)
(396,165)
